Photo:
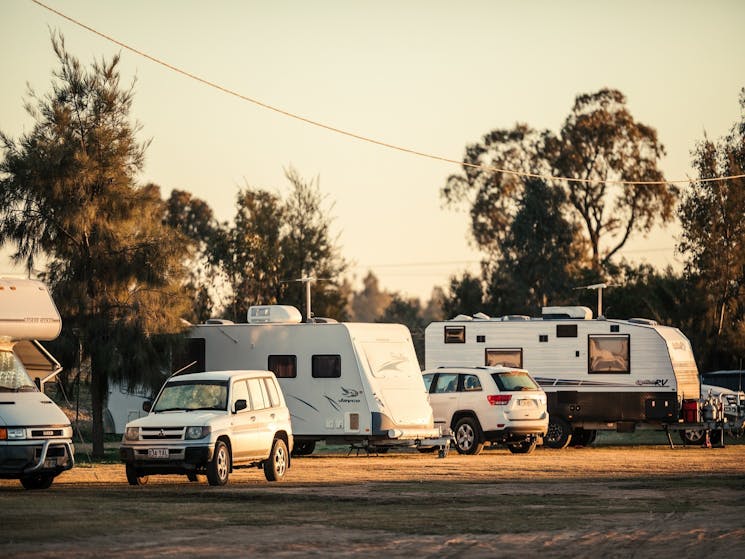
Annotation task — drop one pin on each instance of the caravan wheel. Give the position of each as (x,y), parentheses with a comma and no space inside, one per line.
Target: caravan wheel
(303,448)
(692,436)
(559,433)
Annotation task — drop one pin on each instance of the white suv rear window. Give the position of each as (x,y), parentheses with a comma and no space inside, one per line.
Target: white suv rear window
(514,381)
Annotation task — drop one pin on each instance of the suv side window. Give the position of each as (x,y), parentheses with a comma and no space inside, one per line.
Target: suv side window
(240,392)
(257,395)
(271,387)
(446,382)
(428,380)
(471,383)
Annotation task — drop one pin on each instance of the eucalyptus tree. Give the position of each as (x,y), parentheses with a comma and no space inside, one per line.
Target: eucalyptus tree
(712,217)
(600,146)
(68,195)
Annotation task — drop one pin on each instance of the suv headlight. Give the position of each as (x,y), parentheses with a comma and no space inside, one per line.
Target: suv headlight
(197,432)
(132,433)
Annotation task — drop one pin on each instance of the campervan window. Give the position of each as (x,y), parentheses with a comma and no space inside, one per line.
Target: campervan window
(326,366)
(566,330)
(13,376)
(609,353)
(507,357)
(455,334)
(283,366)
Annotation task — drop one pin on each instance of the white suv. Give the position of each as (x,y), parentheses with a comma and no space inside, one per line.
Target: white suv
(209,423)
(495,404)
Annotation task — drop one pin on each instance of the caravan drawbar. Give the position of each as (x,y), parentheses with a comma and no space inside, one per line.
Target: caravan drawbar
(344,383)
(598,374)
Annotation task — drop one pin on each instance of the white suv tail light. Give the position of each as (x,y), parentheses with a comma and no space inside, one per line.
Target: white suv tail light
(499,399)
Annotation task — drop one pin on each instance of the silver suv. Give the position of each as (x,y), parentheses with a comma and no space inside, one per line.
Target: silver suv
(495,404)
(209,423)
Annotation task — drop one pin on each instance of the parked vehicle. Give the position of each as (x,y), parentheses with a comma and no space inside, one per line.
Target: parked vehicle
(210,423)
(598,374)
(35,435)
(345,383)
(488,404)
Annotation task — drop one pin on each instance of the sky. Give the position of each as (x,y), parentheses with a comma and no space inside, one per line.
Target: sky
(432,76)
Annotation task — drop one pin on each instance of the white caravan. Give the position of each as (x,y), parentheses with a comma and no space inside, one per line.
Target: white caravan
(348,383)
(35,436)
(598,374)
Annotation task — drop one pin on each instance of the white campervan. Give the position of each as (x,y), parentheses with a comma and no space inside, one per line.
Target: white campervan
(598,374)
(348,383)
(35,436)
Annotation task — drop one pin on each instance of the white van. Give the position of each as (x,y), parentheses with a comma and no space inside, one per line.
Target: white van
(35,436)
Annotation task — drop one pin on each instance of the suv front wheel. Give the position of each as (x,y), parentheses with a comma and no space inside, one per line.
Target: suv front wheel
(468,436)
(218,468)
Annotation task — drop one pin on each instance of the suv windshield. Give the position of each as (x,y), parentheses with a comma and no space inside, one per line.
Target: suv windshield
(193,395)
(514,381)
(13,375)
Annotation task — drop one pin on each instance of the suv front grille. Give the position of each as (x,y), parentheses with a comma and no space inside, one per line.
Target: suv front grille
(162,433)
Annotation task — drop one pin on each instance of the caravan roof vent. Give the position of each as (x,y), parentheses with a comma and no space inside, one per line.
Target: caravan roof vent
(275,314)
(646,321)
(582,313)
(481,316)
(462,317)
(513,317)
(223,321)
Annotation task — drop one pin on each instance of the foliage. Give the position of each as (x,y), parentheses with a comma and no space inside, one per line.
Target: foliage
(599,142)
(274,244)
(369,304)
(69,194)
(712,216)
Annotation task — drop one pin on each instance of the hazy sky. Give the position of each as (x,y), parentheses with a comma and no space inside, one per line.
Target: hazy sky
(433,76)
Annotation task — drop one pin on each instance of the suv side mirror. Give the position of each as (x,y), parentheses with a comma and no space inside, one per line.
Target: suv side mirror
(147,405)
(240,405)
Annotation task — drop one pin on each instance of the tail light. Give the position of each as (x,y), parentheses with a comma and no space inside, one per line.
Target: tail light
(499,399)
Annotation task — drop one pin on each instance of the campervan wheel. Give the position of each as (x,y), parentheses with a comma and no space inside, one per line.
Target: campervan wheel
(559,433)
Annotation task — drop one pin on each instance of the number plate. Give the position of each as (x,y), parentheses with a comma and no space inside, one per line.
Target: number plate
(157,453)
(525,402)
(50,463)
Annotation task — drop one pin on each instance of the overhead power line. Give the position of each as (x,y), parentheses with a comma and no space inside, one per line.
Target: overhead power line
(352,134)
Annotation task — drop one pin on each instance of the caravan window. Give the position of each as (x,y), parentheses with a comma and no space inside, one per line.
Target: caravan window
(326,366)
(455,334)
(507,357)
(609,354)
(283,366)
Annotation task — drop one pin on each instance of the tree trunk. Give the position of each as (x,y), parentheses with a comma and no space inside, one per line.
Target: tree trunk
(99,388)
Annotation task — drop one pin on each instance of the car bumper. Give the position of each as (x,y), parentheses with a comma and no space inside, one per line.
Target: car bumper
(181,459)
(27,458)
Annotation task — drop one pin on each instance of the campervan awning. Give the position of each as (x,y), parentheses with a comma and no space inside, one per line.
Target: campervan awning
(37,360)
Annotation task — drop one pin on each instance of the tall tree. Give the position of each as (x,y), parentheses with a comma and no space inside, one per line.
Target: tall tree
(69,193)
(599,143)
(712,216)
(274,244)
(370,303)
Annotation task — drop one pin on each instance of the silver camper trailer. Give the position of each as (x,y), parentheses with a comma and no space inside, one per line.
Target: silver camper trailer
(35,435)
(598,374)
(345,383)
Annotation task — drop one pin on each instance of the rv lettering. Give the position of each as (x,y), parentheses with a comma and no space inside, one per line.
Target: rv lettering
(652,382)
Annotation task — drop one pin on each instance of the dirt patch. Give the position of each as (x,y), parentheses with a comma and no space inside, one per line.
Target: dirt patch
(586,502)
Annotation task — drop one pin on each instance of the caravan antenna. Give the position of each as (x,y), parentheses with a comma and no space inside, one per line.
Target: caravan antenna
(599,287)
(306,280)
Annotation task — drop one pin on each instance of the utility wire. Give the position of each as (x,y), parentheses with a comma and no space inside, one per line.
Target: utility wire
(359,136)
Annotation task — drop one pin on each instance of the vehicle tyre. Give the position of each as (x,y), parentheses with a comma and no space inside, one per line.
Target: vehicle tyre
(134,477)
(218,468)
(692,436)
(275,467)
(39,481)
(468,436)
(523,447)
(559,433)
(736,433)
(193,477)
(303,448)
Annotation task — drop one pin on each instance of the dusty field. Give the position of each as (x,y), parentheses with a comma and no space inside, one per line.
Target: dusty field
(612,501)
